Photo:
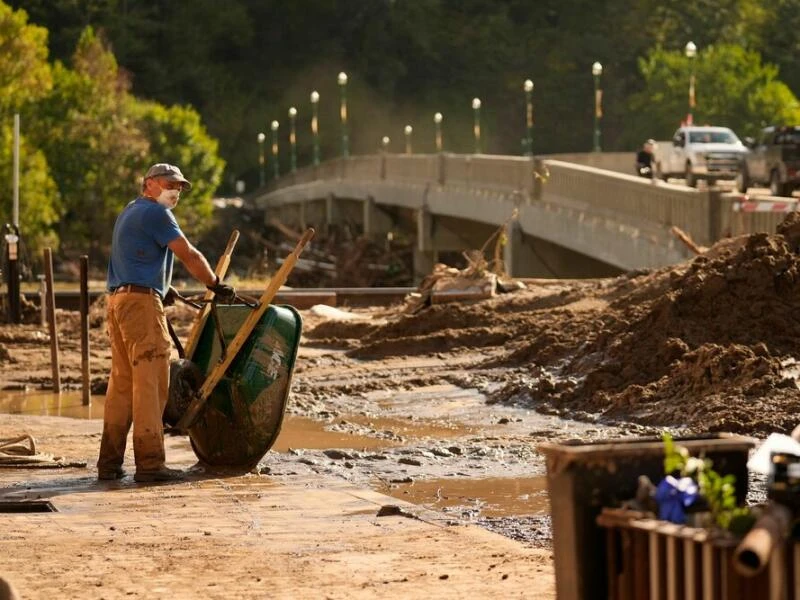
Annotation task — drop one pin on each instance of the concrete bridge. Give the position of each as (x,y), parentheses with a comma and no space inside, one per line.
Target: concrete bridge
(578,215)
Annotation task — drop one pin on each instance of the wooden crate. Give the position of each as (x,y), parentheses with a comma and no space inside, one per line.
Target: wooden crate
(648,559)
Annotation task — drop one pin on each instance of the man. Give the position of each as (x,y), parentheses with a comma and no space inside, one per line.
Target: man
(644,159)
(145,239)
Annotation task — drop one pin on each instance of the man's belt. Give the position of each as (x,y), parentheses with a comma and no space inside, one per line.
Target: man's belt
(134,289)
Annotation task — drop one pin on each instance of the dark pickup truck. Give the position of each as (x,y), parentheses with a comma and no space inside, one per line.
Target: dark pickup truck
(774,160)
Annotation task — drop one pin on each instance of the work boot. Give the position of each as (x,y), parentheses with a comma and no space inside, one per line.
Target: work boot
(111,474)
(162,474)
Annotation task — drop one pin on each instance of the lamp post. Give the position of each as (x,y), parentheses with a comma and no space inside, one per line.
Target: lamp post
(261,159)
(293,139)
(691,52)
(597,70)
(342,79)
(476,128)
(408,130)
(437,121)
(528,88)
(315,125)
(385,143)
(275,167)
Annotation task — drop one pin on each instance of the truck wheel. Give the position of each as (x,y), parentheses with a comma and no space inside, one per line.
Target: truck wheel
(742,180)
(776,188)
(691,180)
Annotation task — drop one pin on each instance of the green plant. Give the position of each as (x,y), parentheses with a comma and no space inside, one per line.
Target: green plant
(718,490)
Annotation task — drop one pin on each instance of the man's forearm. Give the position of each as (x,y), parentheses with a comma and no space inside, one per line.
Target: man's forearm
(198,266)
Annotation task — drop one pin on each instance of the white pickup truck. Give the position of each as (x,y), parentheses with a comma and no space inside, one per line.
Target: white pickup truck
(709,153)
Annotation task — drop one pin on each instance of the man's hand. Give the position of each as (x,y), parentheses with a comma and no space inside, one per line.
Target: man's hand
(172,295)
(224,293)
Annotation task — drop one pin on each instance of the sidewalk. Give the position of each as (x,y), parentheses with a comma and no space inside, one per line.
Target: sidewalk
(237,537)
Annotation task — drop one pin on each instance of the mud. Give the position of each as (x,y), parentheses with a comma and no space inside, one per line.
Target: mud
(467,391)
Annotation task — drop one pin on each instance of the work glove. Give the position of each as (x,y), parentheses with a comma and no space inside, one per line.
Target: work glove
(223,293)
(170,297)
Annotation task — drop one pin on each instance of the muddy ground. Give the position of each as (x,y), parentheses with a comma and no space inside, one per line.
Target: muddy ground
(426,400)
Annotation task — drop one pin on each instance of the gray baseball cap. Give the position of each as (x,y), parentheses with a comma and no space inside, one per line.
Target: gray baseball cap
(169,172)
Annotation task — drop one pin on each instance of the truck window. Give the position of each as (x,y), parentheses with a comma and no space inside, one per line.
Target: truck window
(711,137)
(788,138)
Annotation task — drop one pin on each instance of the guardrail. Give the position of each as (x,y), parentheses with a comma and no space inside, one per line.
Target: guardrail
(705,215)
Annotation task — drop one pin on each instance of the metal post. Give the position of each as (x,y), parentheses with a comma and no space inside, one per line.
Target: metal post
(691,52)
(292,139)
(315,125)
(437,120)
(275,166)
(87,382)
(528,88)
(15,182)
(342,79)
(597,70)
(476,129)
(12,273)
(261,158)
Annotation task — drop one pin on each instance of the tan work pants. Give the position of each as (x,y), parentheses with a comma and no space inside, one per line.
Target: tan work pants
(139,382)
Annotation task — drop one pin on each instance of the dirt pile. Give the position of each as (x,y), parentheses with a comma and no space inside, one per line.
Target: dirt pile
(709,344)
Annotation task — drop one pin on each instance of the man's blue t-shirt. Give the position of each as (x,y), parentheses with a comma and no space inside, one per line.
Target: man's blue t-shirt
(139,253)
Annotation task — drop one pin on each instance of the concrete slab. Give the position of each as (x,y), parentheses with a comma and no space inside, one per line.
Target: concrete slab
(237,536)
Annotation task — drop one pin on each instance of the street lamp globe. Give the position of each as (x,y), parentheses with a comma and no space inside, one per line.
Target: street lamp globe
(314,97)
(597,69)
(476,103)
(342,78)
(528,85)
(274,126)
(437,118)
(292,112)
(408,129)
(261,137)
(691,50)
(385,141)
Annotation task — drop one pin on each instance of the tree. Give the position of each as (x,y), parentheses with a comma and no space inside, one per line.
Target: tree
(734,89)
(94,148)
(176,135)
(24,70)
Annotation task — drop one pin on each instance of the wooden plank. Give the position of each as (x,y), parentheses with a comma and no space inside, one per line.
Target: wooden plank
(51,319)
(709,584)
(216,374)
(222,269)
(655,566)
(689,569)
(86,382)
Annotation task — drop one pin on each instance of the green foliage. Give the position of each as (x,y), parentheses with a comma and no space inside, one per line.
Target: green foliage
(94,149)
(38,195)
(718,490)
(24,70)
(733,88)
(177,136)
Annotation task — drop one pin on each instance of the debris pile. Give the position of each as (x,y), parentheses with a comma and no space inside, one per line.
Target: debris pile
(711,344)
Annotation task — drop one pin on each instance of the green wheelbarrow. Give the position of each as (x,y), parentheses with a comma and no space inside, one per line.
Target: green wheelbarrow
(231,394)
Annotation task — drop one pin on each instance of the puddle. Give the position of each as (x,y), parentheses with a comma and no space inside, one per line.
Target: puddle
(301,432)
(47,404)
(492,497)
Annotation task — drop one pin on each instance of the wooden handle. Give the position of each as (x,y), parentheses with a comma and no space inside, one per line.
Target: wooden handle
(217,373)
(222,269)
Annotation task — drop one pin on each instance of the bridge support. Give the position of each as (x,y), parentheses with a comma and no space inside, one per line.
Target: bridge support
(330,212)
(424,254)
(519,258)
(376,222)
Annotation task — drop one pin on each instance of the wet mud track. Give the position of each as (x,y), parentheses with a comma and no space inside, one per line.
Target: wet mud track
(408,432)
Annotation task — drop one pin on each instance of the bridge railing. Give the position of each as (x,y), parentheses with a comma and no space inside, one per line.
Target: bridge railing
(703,215)
(616,193)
